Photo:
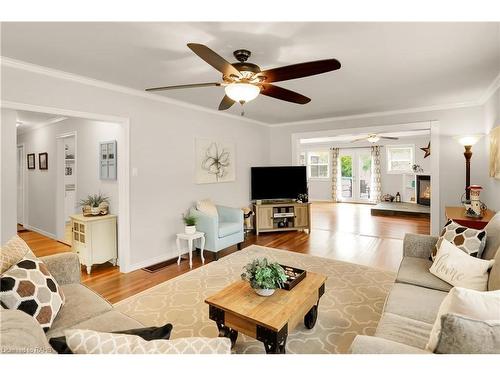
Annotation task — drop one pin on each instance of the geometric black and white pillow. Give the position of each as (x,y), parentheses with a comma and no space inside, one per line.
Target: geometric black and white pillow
(471,241)
(28,286)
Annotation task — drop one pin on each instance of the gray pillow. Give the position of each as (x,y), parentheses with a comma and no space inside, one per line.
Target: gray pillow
(460,335)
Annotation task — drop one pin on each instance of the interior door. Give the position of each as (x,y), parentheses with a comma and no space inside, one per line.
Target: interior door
(20,185)
(356,174)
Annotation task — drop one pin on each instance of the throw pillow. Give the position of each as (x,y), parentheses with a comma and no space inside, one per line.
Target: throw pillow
(461,335)
(12,252)
(148,333)
(467,303)
(207,207)
(91,342)
(471,241)
(458,269)
(28,286)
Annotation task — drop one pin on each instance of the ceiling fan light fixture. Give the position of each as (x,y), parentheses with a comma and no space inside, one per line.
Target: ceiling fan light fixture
(373,139)
(242,92)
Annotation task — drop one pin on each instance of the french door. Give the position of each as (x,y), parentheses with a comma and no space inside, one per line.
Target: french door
(355,174)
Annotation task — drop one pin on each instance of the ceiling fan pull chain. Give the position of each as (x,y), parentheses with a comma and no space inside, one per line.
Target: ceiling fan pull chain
(242,102)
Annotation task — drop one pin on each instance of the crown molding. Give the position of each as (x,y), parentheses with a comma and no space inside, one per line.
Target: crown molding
(22,65)
(40,125)
(490,91)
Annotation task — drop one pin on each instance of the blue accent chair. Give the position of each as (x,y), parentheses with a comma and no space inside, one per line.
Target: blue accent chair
(221,231)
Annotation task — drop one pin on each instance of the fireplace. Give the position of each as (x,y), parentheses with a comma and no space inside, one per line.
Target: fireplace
(424,190)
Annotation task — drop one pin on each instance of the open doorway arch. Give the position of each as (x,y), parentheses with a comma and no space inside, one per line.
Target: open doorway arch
(123,169)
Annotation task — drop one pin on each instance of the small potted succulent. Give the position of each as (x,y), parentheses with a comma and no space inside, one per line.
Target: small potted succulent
(264,277)
(95,203)
(190,224)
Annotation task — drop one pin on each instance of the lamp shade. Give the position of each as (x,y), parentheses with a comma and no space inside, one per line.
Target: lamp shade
(242,92)
(468,140)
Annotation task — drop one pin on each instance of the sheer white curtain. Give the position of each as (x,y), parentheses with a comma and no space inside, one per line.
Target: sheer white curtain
(334,156)
(376,190)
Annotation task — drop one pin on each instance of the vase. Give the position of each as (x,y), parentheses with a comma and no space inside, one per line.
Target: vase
(190,229)
(265,292)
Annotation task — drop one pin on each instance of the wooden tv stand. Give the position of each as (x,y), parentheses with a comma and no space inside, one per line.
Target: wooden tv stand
(279,217)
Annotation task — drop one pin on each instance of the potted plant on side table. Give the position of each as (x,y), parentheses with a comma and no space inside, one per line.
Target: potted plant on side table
(190,224)
(264,277)
(95,204)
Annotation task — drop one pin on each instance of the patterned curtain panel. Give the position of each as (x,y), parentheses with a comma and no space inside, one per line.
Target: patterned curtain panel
(335,171)
(376,195)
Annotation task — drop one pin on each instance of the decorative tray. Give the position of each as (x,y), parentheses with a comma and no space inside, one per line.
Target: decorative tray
(294,276)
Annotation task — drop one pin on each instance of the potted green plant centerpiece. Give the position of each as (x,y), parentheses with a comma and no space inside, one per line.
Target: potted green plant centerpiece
(95,204)
(190,224)
(264,277)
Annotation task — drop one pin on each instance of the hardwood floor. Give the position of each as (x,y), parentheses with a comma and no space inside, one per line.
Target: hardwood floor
(346,232)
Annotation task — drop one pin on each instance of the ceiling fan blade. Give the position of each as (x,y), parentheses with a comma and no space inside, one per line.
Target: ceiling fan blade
(384,137)
(226,103)
(212,58)
(359,139)
(193,85)
(284,94)
(300,70)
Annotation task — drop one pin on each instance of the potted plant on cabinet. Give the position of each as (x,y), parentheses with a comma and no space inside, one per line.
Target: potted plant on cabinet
(264,277)
(95,204)
(190,224)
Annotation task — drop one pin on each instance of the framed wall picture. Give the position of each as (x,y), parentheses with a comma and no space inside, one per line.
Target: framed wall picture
(31,161)
(43,160)
(215,161)
(495,153)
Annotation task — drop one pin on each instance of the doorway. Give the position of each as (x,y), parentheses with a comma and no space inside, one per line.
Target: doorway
(356,174)
(66,185)
(20,184)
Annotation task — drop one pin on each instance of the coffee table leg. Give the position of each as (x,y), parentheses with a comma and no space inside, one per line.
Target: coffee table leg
(274,342)
(227,332)
(311,317)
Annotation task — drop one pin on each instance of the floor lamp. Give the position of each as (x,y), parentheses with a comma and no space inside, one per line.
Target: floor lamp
(468,141)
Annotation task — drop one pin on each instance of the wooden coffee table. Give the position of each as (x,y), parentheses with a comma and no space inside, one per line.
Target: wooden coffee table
(237,308)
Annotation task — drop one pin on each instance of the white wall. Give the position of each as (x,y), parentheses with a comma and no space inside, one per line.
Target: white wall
(491,193)
(8,189)
(451,162)
(162,137)
(41,185)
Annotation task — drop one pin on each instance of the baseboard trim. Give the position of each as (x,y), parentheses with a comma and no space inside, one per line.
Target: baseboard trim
(148,262)
(41,231)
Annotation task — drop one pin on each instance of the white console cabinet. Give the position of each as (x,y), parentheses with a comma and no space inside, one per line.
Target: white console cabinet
(94,239)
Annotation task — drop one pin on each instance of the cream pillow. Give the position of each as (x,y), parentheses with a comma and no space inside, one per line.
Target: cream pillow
(82,341)
(13,251)
(459,269)
(468,303)
(207,207)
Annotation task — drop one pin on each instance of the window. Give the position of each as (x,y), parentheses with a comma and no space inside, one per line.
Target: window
(399,159)
(318,164)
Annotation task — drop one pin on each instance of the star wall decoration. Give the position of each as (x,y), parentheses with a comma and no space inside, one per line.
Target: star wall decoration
(427,150)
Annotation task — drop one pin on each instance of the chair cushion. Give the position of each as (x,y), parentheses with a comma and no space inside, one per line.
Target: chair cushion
(81,304)
(492,237)
(414,302)
(207,207)
(494,277)
(415,271)
(404,330)
(227,228)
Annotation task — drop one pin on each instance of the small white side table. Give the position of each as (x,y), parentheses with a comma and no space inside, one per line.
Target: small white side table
(190,238)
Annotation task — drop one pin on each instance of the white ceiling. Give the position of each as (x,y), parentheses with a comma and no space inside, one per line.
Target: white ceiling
(385,66)
(27,120)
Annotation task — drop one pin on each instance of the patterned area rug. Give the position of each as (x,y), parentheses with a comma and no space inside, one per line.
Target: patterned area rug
(352,303)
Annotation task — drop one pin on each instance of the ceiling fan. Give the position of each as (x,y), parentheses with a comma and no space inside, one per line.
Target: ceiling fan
(244,81)
(373,138)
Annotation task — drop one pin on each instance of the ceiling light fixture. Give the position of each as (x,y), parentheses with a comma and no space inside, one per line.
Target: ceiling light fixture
(373,138)
(242,92)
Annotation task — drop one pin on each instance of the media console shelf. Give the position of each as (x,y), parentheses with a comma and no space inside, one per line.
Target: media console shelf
(277,217)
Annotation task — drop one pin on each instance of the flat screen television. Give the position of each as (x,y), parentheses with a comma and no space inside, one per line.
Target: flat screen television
(278,182)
